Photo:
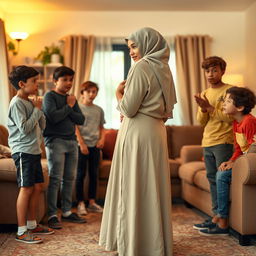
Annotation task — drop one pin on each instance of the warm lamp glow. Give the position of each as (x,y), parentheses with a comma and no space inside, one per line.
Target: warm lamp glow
(19,35)
(234,79)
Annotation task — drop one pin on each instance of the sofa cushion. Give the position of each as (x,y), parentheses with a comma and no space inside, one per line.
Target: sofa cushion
(177,136)
(174,165)
(8,170)
(109,144)
(187,171)
(201,181)
(104,171)
(3,135)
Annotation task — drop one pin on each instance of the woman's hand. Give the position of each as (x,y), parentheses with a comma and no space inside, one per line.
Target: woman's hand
(120,90)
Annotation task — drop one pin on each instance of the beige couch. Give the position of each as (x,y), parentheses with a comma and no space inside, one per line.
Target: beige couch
(196,189)
(177,136)
(9,189)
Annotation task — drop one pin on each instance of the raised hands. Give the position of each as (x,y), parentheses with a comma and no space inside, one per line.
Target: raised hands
(71,100)
(36,101)
(203,103)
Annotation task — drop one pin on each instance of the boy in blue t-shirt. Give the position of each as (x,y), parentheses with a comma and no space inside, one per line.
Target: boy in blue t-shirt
(25,124)
(90,136)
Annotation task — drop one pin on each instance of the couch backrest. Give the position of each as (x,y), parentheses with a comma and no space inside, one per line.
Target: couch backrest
(178,136)
(4,139)
(3,136)
(109,145)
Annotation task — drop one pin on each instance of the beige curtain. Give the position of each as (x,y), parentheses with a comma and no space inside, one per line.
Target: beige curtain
(190,51)
(4,83)
(78,55)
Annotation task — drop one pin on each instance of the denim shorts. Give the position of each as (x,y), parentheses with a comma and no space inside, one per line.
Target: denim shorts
(29,169)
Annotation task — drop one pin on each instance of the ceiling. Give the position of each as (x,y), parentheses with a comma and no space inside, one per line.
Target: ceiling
(122,5)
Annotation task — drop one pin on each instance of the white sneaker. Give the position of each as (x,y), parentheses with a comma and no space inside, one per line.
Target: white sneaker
(81,210)
(95,208)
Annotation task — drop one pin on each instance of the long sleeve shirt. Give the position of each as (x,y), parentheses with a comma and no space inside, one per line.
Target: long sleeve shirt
(217,125)
(243,135)
(25,124)
(60,117)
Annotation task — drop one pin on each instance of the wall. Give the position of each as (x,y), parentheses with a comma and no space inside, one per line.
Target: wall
(226,28)
(1,14)
(251,46)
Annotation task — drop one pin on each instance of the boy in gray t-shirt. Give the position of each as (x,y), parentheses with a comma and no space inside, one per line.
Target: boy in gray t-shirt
(25,124)
(90,137)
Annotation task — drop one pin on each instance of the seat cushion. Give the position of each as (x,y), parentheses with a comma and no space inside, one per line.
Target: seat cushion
(187,171)
(201,181)
(174,165)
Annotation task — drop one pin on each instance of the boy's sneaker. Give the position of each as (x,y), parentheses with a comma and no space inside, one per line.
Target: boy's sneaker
(40,230)
(95,208)
(81,210)
(205,225)
(73,217)
(215,231)
(28,238)
(54,223)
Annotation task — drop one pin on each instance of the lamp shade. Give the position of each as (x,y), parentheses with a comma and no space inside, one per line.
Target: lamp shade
(19,35)
(234,79)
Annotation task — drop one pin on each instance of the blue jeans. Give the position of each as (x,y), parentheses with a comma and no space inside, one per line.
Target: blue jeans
(62,158)
(223,180)
(90,162)
(213,157)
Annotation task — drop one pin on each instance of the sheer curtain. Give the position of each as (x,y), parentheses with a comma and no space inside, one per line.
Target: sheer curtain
(176,120)
(78,55)
(103,73)
(4,83)
(190,51)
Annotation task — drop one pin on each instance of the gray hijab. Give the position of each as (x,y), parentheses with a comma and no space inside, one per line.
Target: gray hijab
(154,49)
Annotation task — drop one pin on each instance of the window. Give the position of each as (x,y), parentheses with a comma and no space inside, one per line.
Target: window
(110,66)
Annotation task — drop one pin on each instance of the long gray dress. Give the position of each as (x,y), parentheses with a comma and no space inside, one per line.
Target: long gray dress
(137,212)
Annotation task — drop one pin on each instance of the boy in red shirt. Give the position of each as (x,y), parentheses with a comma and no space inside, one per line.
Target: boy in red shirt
(238,103)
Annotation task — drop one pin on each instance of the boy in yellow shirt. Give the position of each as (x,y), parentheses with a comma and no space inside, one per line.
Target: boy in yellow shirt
(217,140)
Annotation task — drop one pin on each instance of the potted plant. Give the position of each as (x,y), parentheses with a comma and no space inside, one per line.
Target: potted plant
(50,54)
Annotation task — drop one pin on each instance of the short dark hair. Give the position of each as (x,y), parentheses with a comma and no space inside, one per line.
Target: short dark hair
(214,61)
(88,84)
(62,71)
(242,97)
(21,73)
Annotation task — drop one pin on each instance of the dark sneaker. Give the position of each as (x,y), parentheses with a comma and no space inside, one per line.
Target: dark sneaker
(205,225)
(40,230)
(54,223)
(28,238)
(215,231)
(73,217)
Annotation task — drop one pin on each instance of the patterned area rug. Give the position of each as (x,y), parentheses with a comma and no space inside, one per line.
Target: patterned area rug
(82,240)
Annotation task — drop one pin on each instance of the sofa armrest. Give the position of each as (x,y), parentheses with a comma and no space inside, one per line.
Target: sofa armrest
(244,169)
(189,153)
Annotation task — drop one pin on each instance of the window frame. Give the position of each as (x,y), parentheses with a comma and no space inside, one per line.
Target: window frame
(127,59)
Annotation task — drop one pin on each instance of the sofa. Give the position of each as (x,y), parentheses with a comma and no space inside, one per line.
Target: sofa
(177,136)
(9,189)
(196,190)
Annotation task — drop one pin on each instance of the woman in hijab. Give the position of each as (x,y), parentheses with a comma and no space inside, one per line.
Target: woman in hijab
(137,215)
